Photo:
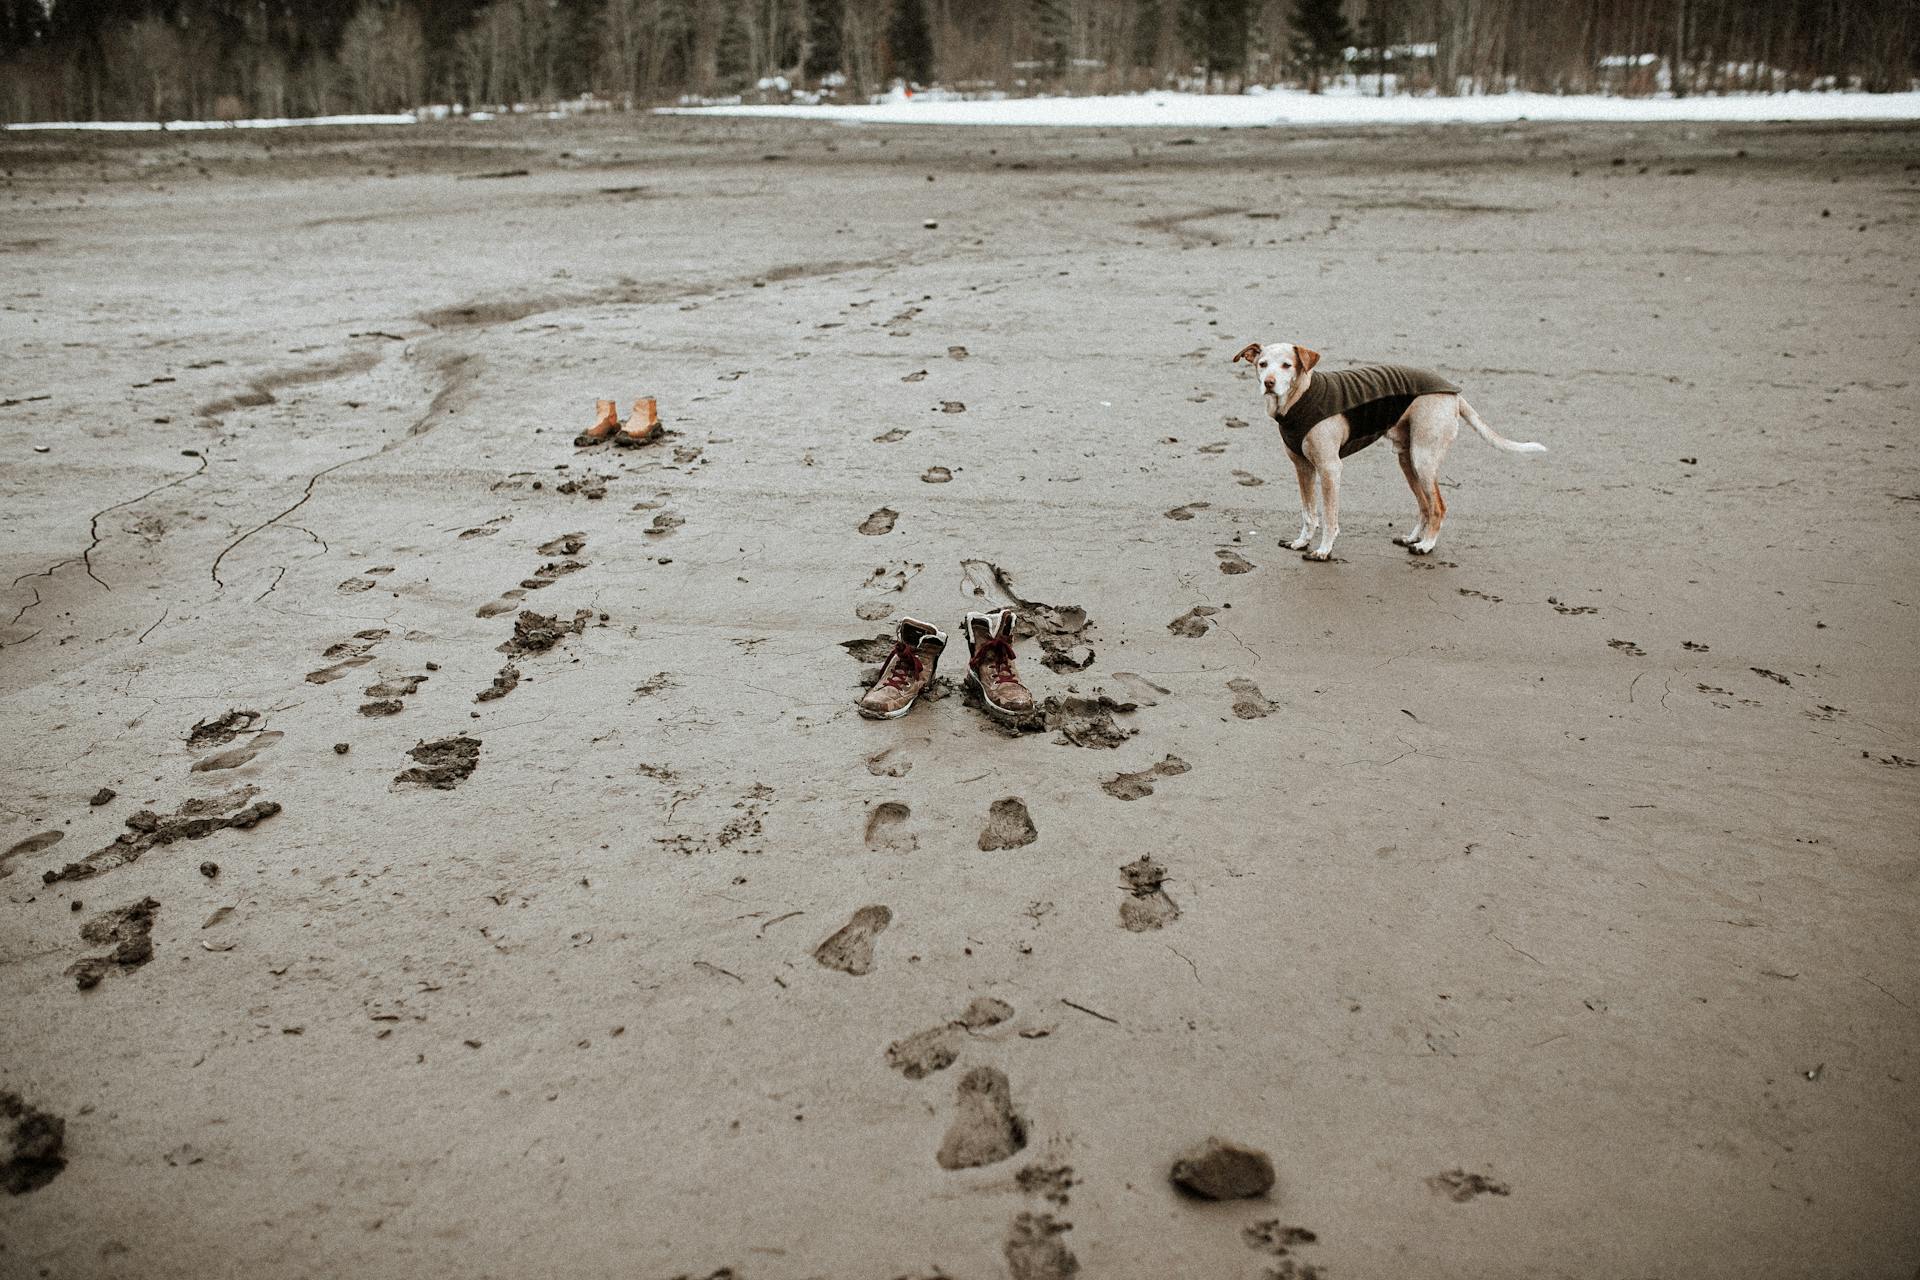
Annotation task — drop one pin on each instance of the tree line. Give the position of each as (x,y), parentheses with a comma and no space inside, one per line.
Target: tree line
(210,59)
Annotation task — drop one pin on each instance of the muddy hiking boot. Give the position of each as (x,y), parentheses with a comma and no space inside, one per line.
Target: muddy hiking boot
(908,670)
(606,421)
(990,669)
(643,424)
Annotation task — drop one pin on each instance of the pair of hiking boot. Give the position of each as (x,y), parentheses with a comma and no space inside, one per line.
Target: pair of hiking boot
(642,424)
(917,647)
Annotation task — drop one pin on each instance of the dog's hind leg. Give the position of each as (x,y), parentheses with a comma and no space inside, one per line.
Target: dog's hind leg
(1398,439)
(1304,472)
(1432,424)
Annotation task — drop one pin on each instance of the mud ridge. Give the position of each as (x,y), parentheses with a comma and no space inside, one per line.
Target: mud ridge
(193,820)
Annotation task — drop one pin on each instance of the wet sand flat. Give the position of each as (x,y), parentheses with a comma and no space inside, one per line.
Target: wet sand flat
(498,881)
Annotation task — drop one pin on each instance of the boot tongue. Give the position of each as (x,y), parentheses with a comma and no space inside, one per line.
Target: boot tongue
(912,632)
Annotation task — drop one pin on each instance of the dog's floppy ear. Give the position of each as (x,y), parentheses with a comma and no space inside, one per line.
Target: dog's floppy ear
(1304,358)
(1247,353)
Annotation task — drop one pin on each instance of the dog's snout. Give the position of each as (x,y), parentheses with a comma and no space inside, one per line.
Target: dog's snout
(1269,381)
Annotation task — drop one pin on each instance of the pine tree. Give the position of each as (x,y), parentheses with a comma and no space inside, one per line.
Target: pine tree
(1215,31)
(1320,37)
(911,41)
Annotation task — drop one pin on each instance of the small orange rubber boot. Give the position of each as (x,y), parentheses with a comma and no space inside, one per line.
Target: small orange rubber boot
(642,424)
(606,421)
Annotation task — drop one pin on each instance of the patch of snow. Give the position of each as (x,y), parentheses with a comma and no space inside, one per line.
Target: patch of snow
(1279,107)
(186,126)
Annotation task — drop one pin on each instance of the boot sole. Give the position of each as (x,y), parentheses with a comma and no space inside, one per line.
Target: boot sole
(871,714)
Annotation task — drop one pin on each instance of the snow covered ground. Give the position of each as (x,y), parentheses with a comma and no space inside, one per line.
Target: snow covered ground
(139,126)
(1295,107)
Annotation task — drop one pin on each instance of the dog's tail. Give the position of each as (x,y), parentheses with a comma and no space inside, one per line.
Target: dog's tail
(1493,437)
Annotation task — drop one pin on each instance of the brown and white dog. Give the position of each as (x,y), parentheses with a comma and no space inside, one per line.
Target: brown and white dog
(1325,416)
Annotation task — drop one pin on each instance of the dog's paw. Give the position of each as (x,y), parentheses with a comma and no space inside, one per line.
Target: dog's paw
(1405,539)
(1420,548)
(1298,544)
(1326,554)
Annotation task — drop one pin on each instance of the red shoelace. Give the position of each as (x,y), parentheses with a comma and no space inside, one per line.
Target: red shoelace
(905,663)
(996,657)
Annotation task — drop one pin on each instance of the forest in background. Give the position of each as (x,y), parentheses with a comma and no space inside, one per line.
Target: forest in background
(228,59)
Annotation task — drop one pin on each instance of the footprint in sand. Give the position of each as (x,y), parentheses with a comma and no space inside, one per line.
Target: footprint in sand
(850,949)
(936,1048)
(326,675)
(884,828)
(1009,825)
(895,436)
(1247,479)
(915,376)
(1233,562)
(1132,786)
(1460,1186)
(1248,702)
(985,1128)
(879,522)
(952,406)
(567,544)
(893,762)
(26,848)
(234,757)
(486,530)
(395,687)
(664,524)
(1193,623)
(507,603)
(356,652)
(872,610)
(936,475)
(1186,512)
(1140,689)
(1034,1250)
(1147,906)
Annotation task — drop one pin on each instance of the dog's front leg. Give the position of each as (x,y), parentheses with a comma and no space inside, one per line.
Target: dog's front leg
(1303,470)
(1327,476)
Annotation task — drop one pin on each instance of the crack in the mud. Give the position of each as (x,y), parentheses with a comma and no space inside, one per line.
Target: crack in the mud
(449,370)
(93,531)
(308,493)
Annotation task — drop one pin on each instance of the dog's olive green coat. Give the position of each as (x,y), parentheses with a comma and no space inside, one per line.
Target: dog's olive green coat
(1372,396)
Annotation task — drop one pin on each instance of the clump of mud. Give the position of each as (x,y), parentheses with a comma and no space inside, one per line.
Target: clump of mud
(1147,906)
(538,632)
(936,1048)
(869,651)
(1222,1170)
(129,929)
(1194,622)
(1061,629)
(193,820)
(1133,786)
(442,764)
(503,684)
(29,1146)
(221,729)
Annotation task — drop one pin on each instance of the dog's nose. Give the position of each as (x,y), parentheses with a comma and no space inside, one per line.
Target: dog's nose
(1269,382)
